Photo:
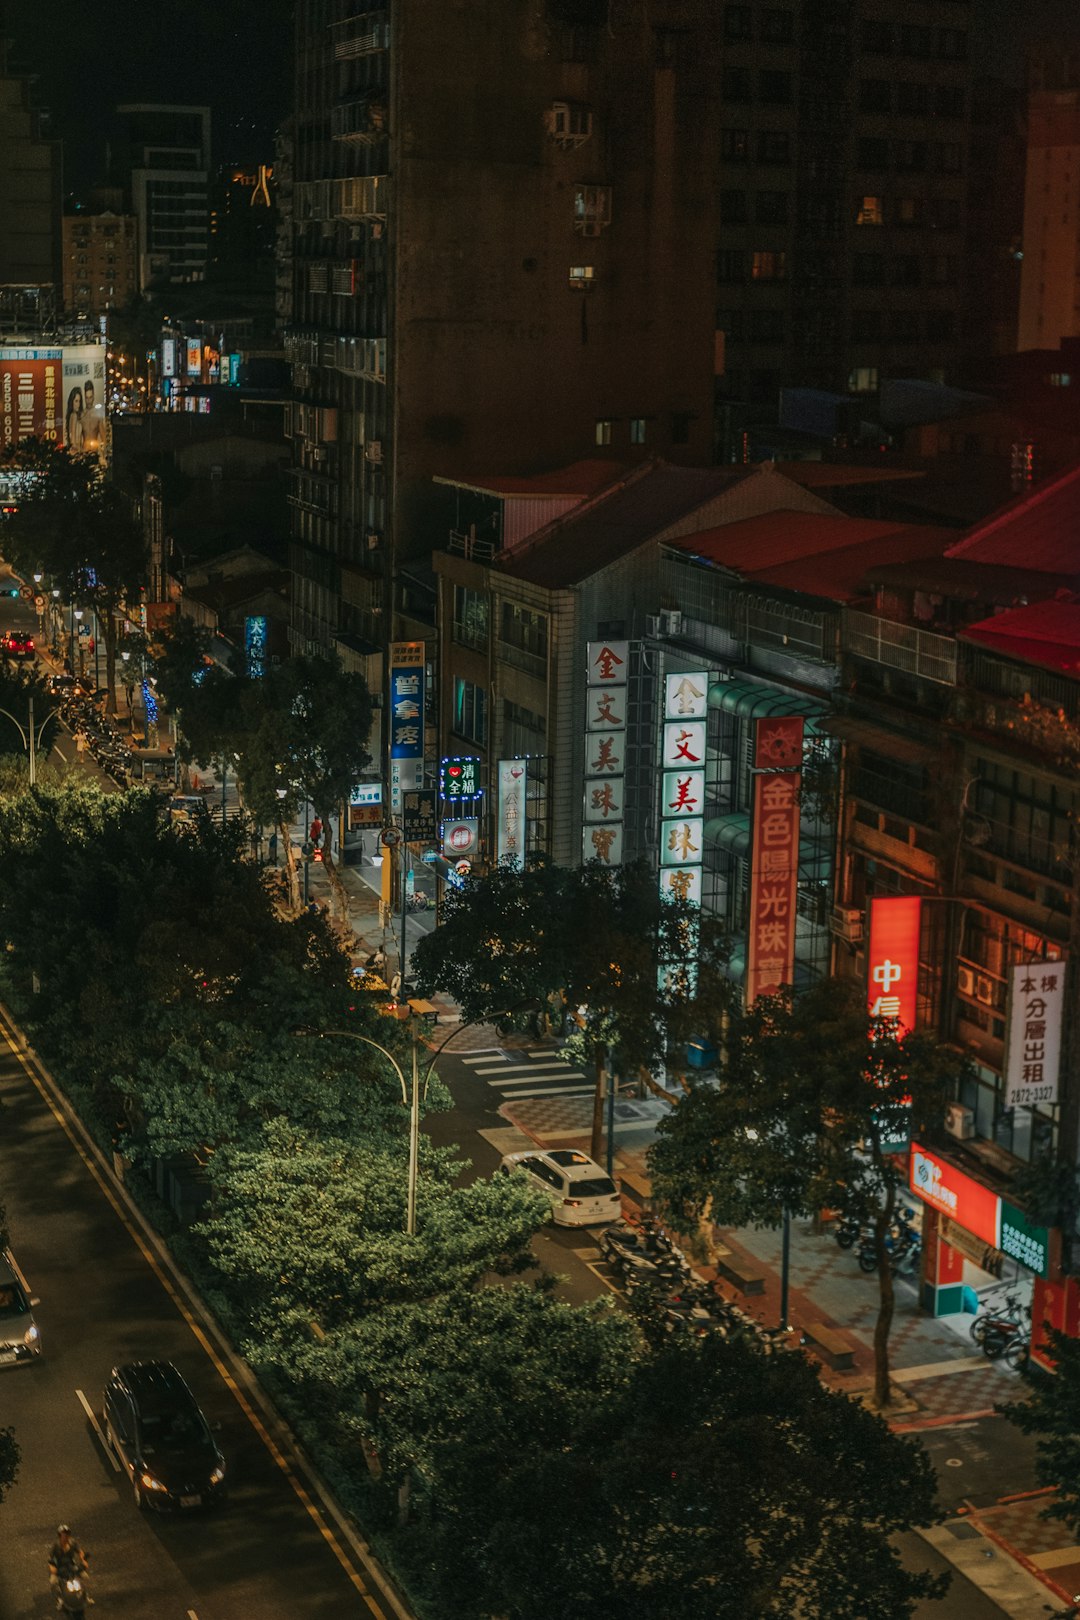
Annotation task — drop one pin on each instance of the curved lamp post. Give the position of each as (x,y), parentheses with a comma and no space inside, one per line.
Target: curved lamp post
(31,735)
(412,1095)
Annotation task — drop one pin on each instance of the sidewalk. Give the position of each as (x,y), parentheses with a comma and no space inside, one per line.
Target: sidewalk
(1018,1558)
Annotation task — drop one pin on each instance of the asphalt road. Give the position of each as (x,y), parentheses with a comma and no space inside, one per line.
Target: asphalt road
(270,1552)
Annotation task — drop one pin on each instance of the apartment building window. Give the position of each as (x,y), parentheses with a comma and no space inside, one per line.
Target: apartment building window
(906,270)
(942,270)
(771,208)
(944,213)
(524,731)
(738,22)
(736,84)
(908,210)
(863,379)
(866,325)
(637,430)
(873,153)
(952,44)
(768,265)
(875,96)
(523,636)
(774,146)
(877,37)
(913,100)
(730,266)
(470,712)
(774,86)
(582,276)
(733,209)
(909,157)
(941,326)
(470,627)
(916,40)
(868,270)
(949,101)
(949,157)
(735,145)
(871,211)
(603,430)
(777,27)
(767,326)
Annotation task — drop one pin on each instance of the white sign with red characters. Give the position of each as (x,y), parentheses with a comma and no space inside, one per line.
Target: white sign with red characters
(1033,1042)
(608,671)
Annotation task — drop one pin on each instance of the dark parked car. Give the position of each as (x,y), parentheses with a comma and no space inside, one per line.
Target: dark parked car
(159,1435)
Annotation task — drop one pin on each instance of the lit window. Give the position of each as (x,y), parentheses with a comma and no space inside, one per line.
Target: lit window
(870,212)
(582,276)
(603,430)
(863,379)
(768,265)
(637,430)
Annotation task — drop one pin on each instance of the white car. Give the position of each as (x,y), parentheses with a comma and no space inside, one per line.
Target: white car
(581,1193)
(20,1337)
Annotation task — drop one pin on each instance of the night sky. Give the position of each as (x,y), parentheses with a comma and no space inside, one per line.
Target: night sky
(226,54)
(234,56)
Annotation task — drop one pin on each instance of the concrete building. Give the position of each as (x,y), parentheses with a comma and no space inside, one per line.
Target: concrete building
(30,192)
(100,263)
(502,235)
(843,197)
(162,159)
(1050,279)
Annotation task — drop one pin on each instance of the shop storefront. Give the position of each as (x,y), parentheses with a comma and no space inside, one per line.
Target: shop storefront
(973,1239)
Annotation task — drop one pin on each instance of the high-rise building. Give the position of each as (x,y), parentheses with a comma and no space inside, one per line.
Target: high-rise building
(30,191)
(501,246)
(162,158)
(842,179)
(100,263)
(1050,278)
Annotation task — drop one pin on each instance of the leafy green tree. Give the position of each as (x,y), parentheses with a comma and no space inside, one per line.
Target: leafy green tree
(21,685)
(73,524)
(810,1092)
(1050,1411)
(590,938)
(9,1461)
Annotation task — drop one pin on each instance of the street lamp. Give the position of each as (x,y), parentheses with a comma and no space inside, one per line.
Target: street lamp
(31,736)
(413,1094)
(76,615)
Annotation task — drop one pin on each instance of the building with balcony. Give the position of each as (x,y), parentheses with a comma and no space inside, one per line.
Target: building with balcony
(101,257)
(501,231)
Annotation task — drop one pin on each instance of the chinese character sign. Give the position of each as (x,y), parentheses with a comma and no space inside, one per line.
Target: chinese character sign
(774,859)
(1033,1043)
(608,663)
(255,632)
(407,700)
(686,696)
(607,708)
(510,813)
(459,778)
(893,959)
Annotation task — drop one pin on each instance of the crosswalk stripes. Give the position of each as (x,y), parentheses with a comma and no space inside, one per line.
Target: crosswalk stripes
(537,1073)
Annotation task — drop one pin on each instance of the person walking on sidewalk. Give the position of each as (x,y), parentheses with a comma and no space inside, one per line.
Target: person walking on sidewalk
(315,832)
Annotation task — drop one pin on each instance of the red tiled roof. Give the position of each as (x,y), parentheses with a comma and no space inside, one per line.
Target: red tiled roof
(1046,633)
(814,553)
(581,478)
(1039,530)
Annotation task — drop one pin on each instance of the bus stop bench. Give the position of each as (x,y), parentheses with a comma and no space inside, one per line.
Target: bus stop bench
(425,1010)
(833,1346)
(742,1277)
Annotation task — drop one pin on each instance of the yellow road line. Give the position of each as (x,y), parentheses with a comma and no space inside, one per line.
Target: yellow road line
(301,1491)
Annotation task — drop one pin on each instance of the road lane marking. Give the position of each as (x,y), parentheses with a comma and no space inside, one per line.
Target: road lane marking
(299,1489)
(96,1426)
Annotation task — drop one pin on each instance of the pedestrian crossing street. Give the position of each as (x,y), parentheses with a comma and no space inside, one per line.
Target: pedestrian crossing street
(538,1072)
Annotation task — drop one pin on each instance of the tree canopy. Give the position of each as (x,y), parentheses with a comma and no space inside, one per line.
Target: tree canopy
(809,1093)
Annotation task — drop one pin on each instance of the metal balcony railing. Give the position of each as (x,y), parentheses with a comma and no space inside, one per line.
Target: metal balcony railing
(360,36)
(901,646)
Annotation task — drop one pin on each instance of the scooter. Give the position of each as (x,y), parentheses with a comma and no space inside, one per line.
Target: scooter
(626,1239)
(72,1597)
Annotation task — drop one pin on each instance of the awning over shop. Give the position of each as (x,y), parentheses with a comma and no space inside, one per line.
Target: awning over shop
(731,831)
(752,701)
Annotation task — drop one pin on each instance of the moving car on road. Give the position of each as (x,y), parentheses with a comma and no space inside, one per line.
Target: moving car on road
(581,1193)
(158,1434)
(20,1336)
(17,644)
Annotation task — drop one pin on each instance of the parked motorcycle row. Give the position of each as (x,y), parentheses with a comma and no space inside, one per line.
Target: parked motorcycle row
(903,1243)
(657,1279)
(80,710)
(1003,1329)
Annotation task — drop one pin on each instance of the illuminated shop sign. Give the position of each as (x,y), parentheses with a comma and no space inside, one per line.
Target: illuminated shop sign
(893,959)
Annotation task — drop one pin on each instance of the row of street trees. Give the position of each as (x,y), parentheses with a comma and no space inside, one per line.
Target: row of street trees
(514,1455)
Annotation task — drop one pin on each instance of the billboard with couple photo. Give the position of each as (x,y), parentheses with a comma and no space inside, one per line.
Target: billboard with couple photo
(56,394)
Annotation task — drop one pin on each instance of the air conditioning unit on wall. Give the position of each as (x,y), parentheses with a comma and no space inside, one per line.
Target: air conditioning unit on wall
(846,923)
(965,981)
(960,1121)
(652,625)
(670,622)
